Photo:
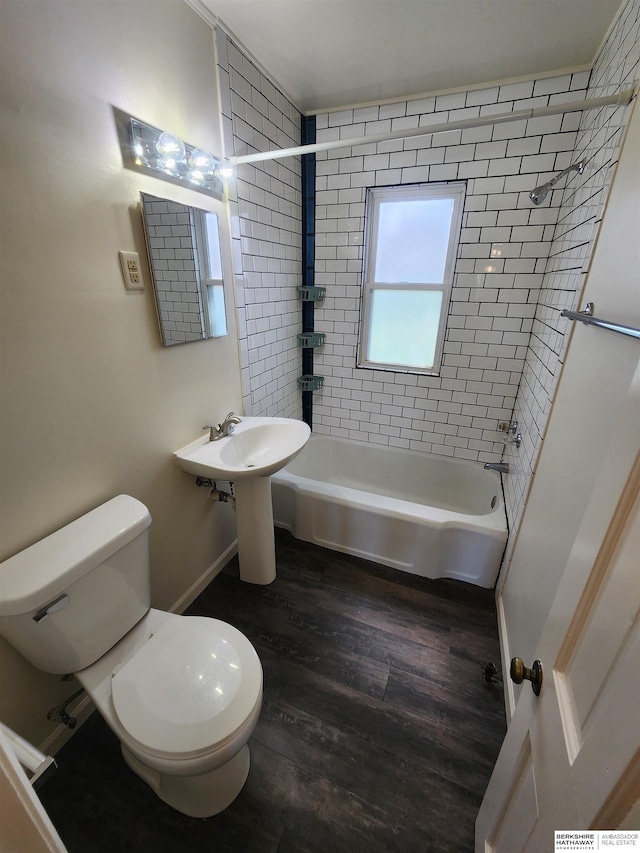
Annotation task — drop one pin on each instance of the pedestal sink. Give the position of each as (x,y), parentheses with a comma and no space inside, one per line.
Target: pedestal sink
(257,448)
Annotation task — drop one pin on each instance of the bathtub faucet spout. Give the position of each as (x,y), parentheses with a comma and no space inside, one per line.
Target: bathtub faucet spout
(500,467)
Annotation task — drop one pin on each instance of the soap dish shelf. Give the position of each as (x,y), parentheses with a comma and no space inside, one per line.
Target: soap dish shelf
(311,339)
(311,293)
(310,383)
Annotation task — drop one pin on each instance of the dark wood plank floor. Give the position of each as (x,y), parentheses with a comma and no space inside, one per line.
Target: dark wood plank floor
(378,731)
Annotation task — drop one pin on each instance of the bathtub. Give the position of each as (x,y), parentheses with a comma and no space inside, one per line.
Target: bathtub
(428,515)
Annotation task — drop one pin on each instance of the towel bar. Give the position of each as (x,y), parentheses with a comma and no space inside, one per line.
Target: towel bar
(586,316)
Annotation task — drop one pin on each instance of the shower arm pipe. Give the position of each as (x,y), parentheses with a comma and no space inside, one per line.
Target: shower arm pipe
(576,167)
(621,99)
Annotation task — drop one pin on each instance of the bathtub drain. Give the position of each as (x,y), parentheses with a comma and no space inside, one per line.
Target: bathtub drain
(494,501)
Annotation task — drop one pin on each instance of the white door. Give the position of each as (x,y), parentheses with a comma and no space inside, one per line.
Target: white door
(571,757)
(24,824)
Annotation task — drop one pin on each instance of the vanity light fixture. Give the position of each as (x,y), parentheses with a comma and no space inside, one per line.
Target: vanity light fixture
(166,154)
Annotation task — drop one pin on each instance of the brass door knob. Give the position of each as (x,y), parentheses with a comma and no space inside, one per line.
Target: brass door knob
(519,673)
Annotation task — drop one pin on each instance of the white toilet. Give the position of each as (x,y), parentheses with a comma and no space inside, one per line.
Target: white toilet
(182,693)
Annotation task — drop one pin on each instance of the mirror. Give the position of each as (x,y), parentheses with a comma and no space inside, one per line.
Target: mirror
(185,257)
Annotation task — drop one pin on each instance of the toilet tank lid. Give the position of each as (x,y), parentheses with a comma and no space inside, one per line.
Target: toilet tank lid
(31,578)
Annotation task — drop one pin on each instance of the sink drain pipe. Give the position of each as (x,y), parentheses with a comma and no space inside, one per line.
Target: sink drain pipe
(217,495)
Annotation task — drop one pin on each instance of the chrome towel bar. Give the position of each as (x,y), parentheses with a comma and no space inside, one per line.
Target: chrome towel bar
(586,316)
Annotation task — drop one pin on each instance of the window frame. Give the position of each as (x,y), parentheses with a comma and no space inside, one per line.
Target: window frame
(375,195)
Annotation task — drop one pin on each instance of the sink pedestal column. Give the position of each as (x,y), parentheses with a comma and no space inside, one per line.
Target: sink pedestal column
(256,544)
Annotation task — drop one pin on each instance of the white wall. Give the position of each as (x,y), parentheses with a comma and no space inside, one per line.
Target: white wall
(92,405)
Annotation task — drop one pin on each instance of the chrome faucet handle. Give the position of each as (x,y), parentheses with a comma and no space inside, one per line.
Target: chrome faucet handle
(226,427)
(214,431)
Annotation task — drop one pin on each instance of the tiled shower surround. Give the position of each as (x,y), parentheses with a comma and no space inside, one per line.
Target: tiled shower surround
(503,248)
(266,221)
(517,267)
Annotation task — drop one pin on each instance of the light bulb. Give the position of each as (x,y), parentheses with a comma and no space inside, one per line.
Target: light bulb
(201,160)
(168,145)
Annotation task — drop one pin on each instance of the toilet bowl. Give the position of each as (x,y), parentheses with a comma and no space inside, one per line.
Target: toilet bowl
(182,693)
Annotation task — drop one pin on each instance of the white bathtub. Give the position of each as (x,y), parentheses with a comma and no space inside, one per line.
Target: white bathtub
(424,514)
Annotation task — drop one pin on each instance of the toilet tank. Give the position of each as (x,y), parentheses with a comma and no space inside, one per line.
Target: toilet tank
(69,598)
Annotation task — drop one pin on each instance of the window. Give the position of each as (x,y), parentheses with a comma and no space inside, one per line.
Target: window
(211,283)
(411,240)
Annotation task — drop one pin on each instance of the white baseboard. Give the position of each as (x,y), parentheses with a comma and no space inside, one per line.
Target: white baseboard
(205,579)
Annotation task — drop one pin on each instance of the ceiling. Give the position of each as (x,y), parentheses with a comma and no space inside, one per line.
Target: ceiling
(334,53)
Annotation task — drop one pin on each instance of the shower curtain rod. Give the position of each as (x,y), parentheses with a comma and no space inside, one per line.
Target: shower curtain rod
(621,99)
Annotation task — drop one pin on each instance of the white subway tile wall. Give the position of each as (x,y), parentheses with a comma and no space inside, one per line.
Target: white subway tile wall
(174,260)
(598,136)
(266,224)
(498,275)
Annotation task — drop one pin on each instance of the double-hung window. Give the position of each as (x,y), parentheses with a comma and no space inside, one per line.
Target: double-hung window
(411,240)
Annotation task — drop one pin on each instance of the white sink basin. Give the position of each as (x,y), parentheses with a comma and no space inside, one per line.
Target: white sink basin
(258,447)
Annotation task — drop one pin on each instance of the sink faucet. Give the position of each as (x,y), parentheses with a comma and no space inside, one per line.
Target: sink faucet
(500,467)
(223,429)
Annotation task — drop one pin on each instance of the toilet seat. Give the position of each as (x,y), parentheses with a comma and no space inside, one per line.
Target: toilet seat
(190,688)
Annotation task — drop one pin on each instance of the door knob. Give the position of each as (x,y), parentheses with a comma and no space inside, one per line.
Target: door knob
(519,673)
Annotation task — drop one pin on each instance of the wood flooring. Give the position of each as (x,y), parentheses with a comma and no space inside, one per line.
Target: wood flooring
(378,731)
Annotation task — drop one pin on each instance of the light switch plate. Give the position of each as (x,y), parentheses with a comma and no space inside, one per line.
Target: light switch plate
(131,270)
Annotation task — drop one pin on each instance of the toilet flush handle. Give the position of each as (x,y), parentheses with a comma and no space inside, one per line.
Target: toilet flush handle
(57,604)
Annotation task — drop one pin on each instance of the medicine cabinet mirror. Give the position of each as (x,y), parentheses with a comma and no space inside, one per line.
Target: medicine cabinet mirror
(186,266)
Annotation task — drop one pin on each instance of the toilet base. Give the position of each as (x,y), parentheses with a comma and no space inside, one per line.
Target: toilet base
(196,796)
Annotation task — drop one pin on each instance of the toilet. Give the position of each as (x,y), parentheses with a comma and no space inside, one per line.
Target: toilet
(182,693)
